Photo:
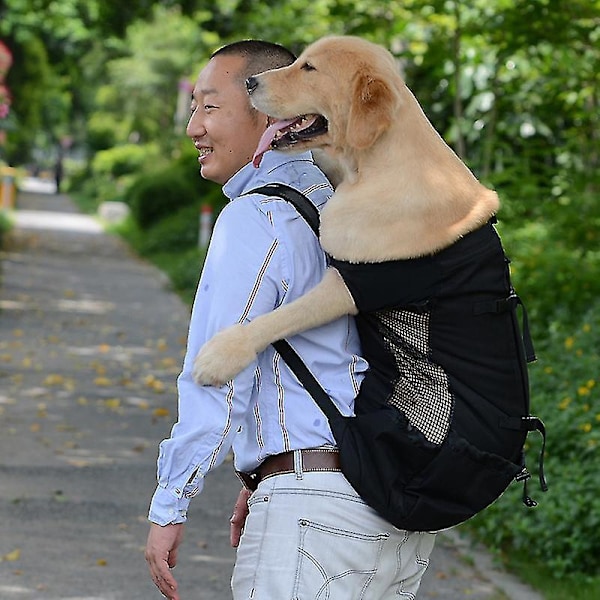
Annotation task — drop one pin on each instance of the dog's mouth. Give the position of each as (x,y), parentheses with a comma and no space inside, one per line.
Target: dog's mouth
(288,132)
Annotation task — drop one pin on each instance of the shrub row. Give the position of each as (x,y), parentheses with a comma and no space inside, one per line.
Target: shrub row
(561,532)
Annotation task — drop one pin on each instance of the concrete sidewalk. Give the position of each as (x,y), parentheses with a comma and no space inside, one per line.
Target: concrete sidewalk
(91,341)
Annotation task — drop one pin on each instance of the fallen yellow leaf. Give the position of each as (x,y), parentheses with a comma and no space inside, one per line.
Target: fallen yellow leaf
(155,384)
(112,402)
(12,556)
(54,379)
(161,412)
(102,381)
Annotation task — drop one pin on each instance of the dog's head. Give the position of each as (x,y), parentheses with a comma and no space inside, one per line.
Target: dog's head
(341,93)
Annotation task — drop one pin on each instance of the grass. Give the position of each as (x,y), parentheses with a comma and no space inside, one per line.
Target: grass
(5,225)
(542,579)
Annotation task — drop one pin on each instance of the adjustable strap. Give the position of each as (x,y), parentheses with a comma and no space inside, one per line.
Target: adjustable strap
(307,379)
(300,202)
(529,423)
(505,305)
(311,215)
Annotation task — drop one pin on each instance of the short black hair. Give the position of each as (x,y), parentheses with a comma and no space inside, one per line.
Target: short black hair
(260,56)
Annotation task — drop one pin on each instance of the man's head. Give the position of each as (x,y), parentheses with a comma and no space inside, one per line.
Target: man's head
(224,126)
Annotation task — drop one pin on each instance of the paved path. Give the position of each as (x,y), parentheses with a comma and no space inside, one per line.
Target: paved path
(91,341)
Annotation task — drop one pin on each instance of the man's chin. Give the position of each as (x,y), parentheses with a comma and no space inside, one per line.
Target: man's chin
(209,173)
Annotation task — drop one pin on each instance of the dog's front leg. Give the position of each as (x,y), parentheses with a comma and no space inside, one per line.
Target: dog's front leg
(233,349)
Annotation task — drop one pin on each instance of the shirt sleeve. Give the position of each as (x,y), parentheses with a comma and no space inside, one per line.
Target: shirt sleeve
(241,278)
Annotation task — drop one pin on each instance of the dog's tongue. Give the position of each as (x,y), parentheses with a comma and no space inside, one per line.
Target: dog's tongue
(266,139)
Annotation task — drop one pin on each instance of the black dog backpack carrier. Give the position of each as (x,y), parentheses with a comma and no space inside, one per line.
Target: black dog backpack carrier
(443,412)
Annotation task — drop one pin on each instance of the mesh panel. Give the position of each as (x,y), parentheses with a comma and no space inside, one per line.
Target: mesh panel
(421,390)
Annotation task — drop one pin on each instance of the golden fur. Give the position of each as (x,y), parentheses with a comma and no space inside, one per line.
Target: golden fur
(402,191)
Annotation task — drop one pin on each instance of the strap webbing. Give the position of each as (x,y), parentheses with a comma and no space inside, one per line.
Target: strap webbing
(505,305)
(311,215)
(300,202)
(307,379)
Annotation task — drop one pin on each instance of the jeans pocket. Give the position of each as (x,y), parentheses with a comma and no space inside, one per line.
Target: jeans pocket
(333,563)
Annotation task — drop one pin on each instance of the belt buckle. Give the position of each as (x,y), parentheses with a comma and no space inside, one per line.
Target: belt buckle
(249,480)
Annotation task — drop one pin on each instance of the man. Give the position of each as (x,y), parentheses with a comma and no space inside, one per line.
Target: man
(307,531)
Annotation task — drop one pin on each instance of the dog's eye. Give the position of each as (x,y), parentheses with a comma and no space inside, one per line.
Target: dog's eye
(307,67)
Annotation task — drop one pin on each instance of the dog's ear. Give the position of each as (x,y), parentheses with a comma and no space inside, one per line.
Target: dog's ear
(371,111)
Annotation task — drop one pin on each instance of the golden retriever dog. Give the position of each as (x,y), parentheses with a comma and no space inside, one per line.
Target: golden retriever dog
(441,416)
(403,193)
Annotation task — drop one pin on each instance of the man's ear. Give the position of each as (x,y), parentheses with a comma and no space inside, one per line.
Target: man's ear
(371,111)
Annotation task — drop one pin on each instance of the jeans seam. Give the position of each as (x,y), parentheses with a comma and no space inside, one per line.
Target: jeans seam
(305,525)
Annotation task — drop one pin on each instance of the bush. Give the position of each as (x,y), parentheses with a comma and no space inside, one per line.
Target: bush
(124,160)
(172,245)
(183,269)
(174,233)
(561,532)
(5,227)
(153,197)
(557,281)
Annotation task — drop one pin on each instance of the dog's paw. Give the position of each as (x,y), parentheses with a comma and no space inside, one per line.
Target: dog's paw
(224,356)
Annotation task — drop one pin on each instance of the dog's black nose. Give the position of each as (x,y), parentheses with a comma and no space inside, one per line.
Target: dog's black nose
(251,84)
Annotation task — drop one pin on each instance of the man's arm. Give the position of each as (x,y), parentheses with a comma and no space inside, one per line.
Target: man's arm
(238,518)
(161,555)
(232,350)
(240,278)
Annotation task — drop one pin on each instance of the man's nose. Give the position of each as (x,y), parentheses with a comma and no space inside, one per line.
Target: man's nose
(195,127)
(251,84)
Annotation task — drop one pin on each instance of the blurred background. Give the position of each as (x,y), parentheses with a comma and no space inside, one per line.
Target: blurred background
(94,97)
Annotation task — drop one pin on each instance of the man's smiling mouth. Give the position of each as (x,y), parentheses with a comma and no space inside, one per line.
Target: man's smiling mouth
(204,151)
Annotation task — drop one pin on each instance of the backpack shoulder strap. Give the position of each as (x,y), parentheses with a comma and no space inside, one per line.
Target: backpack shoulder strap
(307,379)
(309,212)
(300,202)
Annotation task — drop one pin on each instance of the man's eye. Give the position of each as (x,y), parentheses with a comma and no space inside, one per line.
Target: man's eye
(209,106)
(307,67)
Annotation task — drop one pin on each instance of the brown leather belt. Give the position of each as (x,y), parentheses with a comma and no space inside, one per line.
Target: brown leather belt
(313,459)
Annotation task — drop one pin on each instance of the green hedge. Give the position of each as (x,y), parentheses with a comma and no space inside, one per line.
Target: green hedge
(158,195)
(5,226)
(562,532)
(125,159)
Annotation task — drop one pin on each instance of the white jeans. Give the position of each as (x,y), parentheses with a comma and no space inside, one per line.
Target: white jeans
(309,536)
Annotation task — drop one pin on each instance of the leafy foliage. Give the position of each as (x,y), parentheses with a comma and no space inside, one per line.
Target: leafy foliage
(5,226)
(158,195)
(559,532)
(512,85)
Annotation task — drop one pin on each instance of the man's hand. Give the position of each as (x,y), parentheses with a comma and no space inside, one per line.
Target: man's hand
(238,519)
(161,556)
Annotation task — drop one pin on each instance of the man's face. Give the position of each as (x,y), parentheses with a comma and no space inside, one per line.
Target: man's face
(223,127)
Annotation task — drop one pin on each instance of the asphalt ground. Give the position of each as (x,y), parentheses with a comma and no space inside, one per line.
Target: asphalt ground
(91,342)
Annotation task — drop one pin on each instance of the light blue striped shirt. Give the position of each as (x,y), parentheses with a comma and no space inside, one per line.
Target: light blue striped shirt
(262,254)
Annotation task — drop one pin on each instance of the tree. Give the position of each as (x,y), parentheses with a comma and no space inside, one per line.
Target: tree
(145,78)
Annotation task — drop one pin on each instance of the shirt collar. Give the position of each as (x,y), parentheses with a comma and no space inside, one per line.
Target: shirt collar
(249,177)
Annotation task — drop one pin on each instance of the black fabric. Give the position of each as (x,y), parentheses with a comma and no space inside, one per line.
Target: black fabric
(481,354)
(444,346)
